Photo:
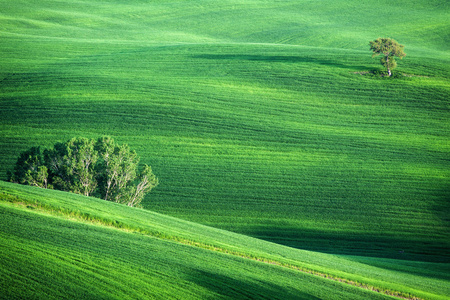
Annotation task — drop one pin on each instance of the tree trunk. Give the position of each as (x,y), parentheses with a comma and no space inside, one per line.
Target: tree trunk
(387,65)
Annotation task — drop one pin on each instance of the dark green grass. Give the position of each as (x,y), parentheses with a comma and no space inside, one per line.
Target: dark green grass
(56,244)
(253,114)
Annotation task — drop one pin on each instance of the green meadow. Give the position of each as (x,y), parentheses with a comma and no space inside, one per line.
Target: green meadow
(59,245)
(265,120)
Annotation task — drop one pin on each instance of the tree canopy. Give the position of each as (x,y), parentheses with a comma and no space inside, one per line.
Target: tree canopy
(388,48)
(100,168)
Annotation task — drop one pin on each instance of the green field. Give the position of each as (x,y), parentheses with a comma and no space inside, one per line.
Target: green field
(258,117)
(73,246)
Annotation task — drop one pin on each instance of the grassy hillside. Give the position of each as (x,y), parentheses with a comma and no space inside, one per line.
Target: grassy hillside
(253,114)
(58,245)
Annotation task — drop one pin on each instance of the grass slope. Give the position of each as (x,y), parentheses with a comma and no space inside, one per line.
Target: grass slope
(58,245)
(252,113)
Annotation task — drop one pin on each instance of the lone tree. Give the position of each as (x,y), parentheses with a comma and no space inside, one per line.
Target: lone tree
(99,168)
(388,48)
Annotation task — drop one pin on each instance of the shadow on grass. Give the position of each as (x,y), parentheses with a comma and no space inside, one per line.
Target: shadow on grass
(441,208)
(279,58)
(231,288)
(413,248)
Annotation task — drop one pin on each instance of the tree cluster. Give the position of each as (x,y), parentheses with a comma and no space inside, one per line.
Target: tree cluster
(99,168)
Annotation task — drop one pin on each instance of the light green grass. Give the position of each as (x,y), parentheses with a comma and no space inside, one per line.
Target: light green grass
(64,245)
(251,113)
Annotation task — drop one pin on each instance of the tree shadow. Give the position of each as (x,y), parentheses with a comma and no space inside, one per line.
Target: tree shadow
(278,58)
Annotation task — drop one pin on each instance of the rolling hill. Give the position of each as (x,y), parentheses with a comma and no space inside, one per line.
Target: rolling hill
(59,245)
